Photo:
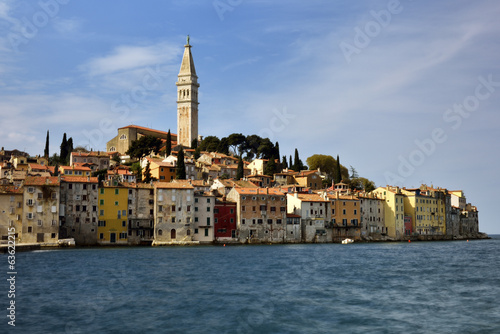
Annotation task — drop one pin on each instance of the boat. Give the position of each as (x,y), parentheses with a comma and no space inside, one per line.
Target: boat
(347,241)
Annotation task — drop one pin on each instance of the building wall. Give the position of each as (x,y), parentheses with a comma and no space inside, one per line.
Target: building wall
(372,216)
(41,213)
(11,211)
(345,216)
(394,211)
(261,214)
(174,214)
(140,214)
(225,221)
(204,220)
(78,209)
(113,215)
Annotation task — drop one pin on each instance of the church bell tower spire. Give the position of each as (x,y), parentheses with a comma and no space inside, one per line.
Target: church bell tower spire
(187,99)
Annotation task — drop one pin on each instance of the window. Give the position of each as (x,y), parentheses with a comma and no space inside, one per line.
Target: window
(173,208)
(206,232)
(94,208)
(196,200)
(259,221)
(253,221)
(101,236)
(173,219)
(208,200)
(208,221)
(278,221)
(124,223)
(102,191)
(269,221)
(195,231)
(117,191)
(101,213)
(116,203)
(273,209)
(355,211)
(160,232)
(101,202)
(208,209)
(101,223)
(242,221)
(343,211)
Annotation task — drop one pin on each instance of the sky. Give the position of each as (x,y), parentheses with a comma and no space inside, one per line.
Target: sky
(406,92)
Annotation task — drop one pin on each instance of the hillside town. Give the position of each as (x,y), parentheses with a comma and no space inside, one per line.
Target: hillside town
(99,199)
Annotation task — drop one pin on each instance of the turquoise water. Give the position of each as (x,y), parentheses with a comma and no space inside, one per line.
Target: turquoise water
(426,287)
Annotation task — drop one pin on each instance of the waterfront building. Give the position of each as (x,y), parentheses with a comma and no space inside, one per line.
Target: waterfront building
(393,210)
(293,228)
(41,210)
(372,215)
(11,211)
(140,213)
(225,228)
(113,210)
(204,220)
(313,210)
(174,213)
(345,216)
(261,214)
(78,209)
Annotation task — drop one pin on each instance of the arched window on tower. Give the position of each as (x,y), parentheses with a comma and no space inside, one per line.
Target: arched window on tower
(188,93)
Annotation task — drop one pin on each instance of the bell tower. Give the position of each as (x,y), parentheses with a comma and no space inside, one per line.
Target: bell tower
(187,100)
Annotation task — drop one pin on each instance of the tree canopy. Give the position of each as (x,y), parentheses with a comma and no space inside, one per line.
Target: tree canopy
(144,146)
(249,147)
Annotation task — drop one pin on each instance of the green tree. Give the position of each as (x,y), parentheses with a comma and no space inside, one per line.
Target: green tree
(277,150)
(284,163)
(236,142)
(64,149)
(46,151)
(297,165)
(70,149)
(209,144)
(338,172)
(326,164)
(137,170)
(266,149)
(270,167)
(180,172)
(144,146)
(194,144)
(168,147)
(223,146)
(147,173)
(290,164)
(240,171)
(197,153)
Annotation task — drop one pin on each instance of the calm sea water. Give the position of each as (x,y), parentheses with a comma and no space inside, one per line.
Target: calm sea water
(426,287)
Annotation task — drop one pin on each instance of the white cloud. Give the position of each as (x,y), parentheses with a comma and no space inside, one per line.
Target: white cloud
(129,57)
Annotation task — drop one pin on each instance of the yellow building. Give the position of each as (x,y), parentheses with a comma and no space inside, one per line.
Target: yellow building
(394,210)
(113,214)
(75,170)
(427,208)
(345,214)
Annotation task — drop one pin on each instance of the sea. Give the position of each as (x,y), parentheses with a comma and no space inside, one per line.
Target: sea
(417,287)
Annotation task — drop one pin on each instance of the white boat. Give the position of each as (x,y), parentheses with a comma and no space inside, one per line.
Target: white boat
(347,241)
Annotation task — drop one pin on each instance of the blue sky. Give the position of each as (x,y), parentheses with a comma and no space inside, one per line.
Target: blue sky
(406,92)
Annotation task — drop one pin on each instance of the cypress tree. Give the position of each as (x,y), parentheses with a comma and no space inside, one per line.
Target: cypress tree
(147,173)
(297,166)
(64,149)
(338,176)
(239,171)
(194,144)
(168,149)
(270,167)
(277,150)
(46,151)
(70,149)
(180,172)
(284,163)
(290,165)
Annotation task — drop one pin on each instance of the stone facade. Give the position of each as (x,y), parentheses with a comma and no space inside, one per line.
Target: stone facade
(204,222)
(140,213)
(11,211)
(261,214)
(78,209)
(174,213)
(187,100)
(41,210)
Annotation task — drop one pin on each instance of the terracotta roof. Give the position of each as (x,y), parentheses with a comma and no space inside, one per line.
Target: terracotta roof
(146,129)
(173,185)
(259,191)
(79,179)
(76,168)
(10,189)
(310,198)
(40,181)
(100,154)
(38,166)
